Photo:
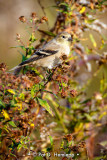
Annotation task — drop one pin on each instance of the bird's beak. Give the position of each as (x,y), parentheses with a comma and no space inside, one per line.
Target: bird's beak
(70,39)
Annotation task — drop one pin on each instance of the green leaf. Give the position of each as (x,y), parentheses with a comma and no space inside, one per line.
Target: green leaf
(19,47)
(70,143)
(36,71)
(88,117)
(22,47)
(100,158)
(62,144)
(22,96)
(13,155)
(5,128)
(12,124)
(65,4)
(19,146)
(31,20)
(32,92)
(23,56)
(101,2)
(49,33)
(32,38)
(38,158)
(66,8)
(44,104)
(51,140)
(2,104)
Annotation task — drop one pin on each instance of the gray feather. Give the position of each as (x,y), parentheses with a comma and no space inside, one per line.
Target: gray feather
(36,56)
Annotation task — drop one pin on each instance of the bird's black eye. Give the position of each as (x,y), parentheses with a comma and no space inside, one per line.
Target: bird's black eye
(63,37)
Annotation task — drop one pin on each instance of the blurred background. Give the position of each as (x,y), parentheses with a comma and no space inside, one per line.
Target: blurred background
(85,111)
(10,25)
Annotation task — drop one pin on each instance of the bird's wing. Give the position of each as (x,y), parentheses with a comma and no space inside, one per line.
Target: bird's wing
(52,45)
(29,61)
(49,49)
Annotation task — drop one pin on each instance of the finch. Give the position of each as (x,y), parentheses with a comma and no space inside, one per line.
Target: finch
(49,55)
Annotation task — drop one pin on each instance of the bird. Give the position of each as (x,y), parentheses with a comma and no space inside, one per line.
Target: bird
(49,56)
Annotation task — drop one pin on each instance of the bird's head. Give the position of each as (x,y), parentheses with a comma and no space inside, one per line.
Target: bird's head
(64,38)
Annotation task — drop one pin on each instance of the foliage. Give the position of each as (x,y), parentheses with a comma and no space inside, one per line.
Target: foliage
(50,113)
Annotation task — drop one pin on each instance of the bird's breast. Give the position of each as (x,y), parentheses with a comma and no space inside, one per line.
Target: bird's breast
(65,50)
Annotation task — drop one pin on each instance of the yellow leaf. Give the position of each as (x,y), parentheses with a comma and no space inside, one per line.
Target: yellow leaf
(102,41)
(72,7)
(28,56)
(82,10)
(92,6)
(11,91)
(102,115)
(70,13)
(5,114)
(37,110)
(102,44)
(36,71)
(86,21)
(19,105)
(32,124)
(93,40)
(79,127)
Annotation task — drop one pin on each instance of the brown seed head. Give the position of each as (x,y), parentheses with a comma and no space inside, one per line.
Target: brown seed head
(33,15)
(73,93)
(64,57)
(43,19)
(17,36)
(64,93)
(2,66)
(22,19)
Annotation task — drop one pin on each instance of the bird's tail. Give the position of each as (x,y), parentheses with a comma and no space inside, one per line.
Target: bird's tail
(16,69)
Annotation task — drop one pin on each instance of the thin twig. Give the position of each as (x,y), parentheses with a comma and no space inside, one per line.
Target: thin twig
(49,79)
(43,9)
